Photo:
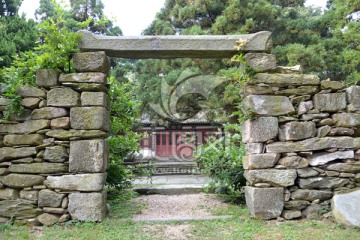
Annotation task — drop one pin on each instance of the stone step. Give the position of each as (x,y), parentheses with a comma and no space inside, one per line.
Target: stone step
(173,167)
(176,189)
(182,219)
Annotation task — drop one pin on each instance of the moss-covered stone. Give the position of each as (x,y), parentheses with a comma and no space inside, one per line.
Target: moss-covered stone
(268,105)
(39,168)
(91,77)
(89,118)
(15,180)
(63,97)
(83,134)
(8,153)
(331,102)
(91,62)
(284,80)
(49,113)
(25,127)
(47,77)
(28,139)
(21,209)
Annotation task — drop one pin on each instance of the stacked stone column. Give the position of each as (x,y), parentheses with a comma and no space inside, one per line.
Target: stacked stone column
(53,158)
(302,144)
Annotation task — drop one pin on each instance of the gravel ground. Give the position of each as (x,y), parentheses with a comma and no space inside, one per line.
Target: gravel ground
(187,205)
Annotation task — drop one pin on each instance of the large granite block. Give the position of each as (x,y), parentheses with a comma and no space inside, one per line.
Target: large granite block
(90,118)
(260,130)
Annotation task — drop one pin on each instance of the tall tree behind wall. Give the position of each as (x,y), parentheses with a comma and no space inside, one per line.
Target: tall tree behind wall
(16,33)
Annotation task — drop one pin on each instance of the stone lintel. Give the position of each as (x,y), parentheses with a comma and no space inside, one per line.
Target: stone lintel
(220,46)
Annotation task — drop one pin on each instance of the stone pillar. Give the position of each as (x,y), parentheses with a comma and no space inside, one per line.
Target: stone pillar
(302,144)
(53,158)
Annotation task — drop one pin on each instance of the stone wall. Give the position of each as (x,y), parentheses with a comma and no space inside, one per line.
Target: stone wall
(53,158)
(302,144)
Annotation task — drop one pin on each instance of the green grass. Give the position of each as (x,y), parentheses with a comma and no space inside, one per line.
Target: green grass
(241,226)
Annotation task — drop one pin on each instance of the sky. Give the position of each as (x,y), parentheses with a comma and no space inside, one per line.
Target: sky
(132,16)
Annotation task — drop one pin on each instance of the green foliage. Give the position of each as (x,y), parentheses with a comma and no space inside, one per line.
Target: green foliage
(53,52)
(17,34)
(122,140)
(222,160)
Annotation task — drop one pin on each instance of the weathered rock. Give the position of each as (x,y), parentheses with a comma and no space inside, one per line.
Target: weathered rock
(260,161)
(19,208)
(23,160)
(323,131)
(260,89)
(254,148)
(294,162)
(48,219)
(48,198)
(39,168)
(282,178)
(332,85)
(322,182)
(29,195)
(89,156)
(322,158)
(260,130)
(63,97)
(79,182)
(311,195)
(353,97)
(264,203)
(60,123)
(297,69)
(297,131)
(89,118)
(8,153)
(9,193)
(91,62)
(332,173)
(357,177)
(95,99)
(326,122)
(29,222)
(3,171)
(302,90)
(93,210)
(304,107)
(54,210)
(311,144)
(356,143)
(347,119)
(26,127)
(87,87)
(284,80)
(64,218)
(291,214)
(47,78)
(331,102)
(22,180)
(30,102)
(56,154)
(341,131)
(312,116)
(175,46)
(312,211)
(28,139)
(4,102)
(268,105)
(28,91)
(91,77)
(261,61)
(84,134)
(345,208)
(296,204)
(49,113)
(344,167)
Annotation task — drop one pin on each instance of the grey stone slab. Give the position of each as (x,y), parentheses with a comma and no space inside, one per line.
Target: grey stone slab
(47,78)
(346,119)
(15,180)
(8,153)
(48,198)
(63,97)
(322,158)
(88,156)
(91,62)
(79,182)
(274,177)
(353,97)
(344,167)
(19,209)
(311,195)
(311,144)
(94,209)
(83,134)
(29,91)
(260,130)
(28,139)
(254,148)
(345,208)
(284,80)
(261,61)
(265,105)
(322,182)
(260,161)
(170,189)
(25,127)
(9,193)
(174,46)
(331,102)
(95,99)
(297,131)
(182,219)
(264,203)
(89,118)
(86,78)
(49,113)
(39,168)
